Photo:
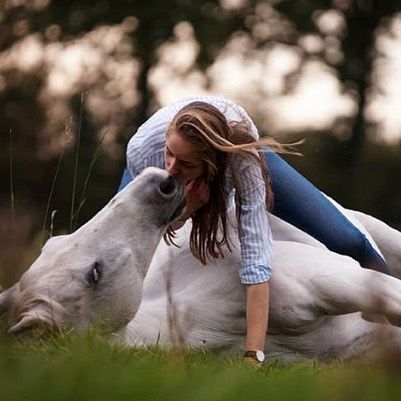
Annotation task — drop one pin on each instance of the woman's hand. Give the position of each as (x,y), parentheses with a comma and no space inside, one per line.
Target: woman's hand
(197,194)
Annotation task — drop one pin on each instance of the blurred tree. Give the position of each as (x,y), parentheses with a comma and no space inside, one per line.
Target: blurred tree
(348,29)
(348,49)
(129,34)
(147,24)
(152,23)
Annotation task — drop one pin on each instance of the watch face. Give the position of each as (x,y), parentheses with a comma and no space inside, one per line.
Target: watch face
(260,356)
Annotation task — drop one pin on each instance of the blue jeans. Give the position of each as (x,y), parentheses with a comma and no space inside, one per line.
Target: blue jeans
(300,203)
(125,179)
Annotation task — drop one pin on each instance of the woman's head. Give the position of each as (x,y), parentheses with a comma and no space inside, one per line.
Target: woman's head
(193,140)
(182,159)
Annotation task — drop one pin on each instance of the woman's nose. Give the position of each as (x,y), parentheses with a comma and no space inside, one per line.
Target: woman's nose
(172,167)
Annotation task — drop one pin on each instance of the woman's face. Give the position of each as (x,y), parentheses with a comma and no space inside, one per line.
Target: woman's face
(181,158)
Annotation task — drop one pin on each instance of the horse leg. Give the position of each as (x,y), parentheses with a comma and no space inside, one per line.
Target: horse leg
(317,282)
(355,289)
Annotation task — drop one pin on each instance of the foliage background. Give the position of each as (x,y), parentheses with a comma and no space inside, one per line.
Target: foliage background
(77,78)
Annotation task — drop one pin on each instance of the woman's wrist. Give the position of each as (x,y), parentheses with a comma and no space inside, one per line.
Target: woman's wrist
(254,356)
(187,213)
(177,224)
(182,219)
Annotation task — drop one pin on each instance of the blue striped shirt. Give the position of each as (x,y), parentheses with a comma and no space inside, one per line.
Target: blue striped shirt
(146,148)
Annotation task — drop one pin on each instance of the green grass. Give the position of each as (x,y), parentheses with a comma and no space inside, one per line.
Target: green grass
(88,367)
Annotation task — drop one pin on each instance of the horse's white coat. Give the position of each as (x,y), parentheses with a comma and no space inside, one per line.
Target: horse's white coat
(317,296)
(316,299)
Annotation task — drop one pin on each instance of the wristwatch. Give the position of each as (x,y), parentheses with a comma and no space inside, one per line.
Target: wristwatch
(258,356)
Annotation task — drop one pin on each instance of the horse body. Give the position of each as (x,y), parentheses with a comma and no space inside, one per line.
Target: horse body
(322,305)
(316,299)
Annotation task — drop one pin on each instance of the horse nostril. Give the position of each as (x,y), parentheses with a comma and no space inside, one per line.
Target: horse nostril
(168,185)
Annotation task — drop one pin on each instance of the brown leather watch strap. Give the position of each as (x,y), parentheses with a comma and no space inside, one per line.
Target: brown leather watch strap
(254,355)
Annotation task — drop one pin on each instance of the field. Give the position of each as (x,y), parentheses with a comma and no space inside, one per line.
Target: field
(88,367)
(66,367)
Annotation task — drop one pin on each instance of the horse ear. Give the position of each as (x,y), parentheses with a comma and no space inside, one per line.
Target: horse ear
(30,321)
(7,298)
(45,315)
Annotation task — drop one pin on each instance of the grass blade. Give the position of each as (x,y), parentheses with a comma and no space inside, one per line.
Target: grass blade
(12,194)
(50,197)
(75,175)
(94,159)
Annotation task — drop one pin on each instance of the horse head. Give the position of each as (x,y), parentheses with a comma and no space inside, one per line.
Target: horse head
(95,275)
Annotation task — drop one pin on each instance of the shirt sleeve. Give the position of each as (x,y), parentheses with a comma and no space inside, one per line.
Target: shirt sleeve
(254,228)
(146,147)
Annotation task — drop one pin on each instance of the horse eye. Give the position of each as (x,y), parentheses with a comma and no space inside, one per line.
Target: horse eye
(95,274)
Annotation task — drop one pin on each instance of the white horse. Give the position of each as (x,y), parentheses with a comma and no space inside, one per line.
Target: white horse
(323,305)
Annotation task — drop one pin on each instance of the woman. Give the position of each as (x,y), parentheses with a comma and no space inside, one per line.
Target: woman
(213,147)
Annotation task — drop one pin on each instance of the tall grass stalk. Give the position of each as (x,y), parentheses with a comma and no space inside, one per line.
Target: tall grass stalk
(67,139)
(43,235)
(82,200)
(52,222)
(12,194)
(74,213)
(179,321)
(75,174)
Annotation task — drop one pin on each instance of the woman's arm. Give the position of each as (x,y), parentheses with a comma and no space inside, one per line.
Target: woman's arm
(257,314)
(256,251)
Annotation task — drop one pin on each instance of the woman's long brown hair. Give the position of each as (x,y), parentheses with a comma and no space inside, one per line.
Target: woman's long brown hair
(220,144)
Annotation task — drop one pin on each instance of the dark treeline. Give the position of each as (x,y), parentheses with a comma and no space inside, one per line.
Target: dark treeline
(39,133)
